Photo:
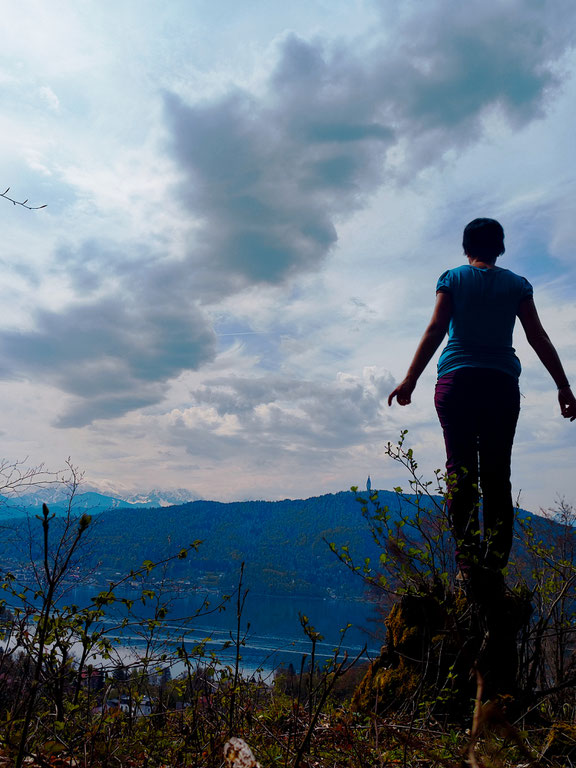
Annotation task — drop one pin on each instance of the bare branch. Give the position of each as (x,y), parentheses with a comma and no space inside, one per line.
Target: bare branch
(16,477)
(23,203)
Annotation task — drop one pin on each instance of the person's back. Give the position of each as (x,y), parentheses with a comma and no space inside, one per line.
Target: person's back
(484,306)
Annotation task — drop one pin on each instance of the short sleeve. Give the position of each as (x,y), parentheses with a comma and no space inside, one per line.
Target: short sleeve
(444,284)
(526,290)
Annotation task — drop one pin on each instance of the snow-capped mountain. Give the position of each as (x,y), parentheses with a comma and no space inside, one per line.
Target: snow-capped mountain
(158,497)
(88,499)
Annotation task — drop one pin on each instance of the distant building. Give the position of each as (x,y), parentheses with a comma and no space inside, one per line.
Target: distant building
(369,485)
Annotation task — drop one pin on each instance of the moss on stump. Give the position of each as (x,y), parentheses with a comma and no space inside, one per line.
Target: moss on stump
(434,643)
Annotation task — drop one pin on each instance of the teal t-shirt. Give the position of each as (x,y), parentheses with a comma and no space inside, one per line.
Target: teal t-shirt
(484,306)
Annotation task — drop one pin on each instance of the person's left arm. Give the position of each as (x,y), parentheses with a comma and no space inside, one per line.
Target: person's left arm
(429,343)
(546,351)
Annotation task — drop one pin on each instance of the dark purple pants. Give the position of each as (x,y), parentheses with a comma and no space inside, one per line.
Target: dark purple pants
(478,409)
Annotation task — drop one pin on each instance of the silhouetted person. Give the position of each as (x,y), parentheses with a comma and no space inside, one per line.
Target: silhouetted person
(477,396)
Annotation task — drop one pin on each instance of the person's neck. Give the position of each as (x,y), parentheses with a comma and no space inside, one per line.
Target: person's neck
(480,264)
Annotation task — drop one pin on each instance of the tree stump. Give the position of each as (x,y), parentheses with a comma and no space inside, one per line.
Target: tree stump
(434,644)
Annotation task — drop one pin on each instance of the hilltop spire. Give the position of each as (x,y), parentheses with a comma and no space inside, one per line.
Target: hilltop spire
(368,485)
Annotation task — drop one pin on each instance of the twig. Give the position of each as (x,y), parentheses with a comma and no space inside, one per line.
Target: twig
(23,203)
(474,733)
(238,642)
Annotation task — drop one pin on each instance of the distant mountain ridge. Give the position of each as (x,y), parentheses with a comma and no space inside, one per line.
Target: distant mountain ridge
(284,544)
(56,497)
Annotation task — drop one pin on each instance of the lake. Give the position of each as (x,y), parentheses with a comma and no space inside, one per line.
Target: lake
(271,626)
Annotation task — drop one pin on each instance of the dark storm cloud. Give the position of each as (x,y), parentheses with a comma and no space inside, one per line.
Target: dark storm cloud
(264,201)
(90,266)
(452,62)
(84,412)
(114,354)
(269,176)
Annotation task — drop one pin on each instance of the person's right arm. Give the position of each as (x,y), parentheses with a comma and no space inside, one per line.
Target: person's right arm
(429,343)
(541,344)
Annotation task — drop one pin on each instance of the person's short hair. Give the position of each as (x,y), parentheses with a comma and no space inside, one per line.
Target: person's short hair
(484,239)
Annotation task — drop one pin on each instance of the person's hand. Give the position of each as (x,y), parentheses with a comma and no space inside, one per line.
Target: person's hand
(567,403)
(403,392)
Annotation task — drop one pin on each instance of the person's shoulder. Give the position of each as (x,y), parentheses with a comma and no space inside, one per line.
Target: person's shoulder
(509,274)
(454,271)
(452,280)
(445,281)
(516,282)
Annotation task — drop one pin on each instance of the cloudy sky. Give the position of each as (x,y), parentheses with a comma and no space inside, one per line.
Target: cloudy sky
(248,206)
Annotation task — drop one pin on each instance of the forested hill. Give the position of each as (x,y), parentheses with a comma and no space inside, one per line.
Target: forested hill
(283,543)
